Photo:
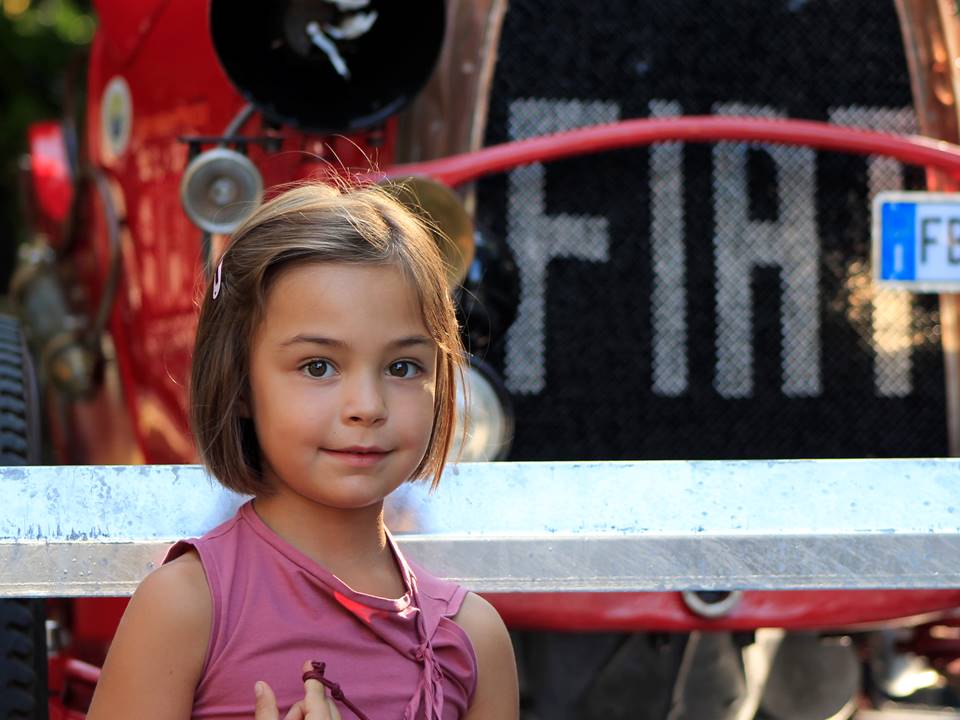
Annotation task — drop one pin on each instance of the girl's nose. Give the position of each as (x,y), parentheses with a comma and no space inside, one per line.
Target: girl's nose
(364,402)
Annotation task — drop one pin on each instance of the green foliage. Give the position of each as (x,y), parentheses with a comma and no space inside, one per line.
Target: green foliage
(69,21)
(36,47)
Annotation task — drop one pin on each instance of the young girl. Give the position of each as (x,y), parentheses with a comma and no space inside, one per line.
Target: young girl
(323,378)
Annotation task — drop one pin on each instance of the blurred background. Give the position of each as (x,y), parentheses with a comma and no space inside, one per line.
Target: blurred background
(42,59)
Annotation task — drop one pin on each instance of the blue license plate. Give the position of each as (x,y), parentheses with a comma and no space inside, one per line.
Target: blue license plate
(916,240)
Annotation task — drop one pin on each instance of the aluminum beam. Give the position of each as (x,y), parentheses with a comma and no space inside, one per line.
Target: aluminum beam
(534,527)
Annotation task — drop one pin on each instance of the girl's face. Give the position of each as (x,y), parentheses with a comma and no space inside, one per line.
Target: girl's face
(342,380)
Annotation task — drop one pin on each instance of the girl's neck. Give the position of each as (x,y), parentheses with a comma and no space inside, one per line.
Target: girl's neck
(352,544)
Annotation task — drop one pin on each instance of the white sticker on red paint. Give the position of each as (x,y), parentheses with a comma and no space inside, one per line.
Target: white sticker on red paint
(116,119)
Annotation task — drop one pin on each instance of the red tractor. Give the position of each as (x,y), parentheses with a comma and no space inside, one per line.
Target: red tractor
(625,188)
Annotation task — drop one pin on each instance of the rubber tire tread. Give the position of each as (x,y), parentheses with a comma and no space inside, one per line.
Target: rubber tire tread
(23,676)
(18,678)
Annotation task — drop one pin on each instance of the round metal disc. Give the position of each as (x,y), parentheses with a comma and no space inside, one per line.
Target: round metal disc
(219,189)
(440,206)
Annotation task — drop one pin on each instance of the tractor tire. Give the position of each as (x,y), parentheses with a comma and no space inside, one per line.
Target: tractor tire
(23,656)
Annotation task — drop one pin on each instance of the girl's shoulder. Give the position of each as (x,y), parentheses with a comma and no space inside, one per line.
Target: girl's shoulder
(447,596)
(215,552)
(157,654)
(496,694)
(181,582)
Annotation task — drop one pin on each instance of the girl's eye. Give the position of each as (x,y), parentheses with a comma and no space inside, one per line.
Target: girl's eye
(317,368)
(404,369)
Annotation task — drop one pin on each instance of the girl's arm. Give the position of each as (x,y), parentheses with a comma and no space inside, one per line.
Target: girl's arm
(497,695)
(157,654)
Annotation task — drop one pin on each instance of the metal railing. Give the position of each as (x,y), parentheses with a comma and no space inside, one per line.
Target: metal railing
(534,527)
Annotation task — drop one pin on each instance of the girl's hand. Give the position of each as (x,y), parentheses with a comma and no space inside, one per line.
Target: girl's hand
(314,706)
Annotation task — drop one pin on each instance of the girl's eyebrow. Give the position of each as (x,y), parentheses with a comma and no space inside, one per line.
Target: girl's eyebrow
(404,342)
(411,341)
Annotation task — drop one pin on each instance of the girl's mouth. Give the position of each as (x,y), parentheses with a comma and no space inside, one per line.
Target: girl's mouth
(359,456)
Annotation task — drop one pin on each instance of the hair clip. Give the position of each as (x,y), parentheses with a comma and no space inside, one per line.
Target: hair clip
(216,279)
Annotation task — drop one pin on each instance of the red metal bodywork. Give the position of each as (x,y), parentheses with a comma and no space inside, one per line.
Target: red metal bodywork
(52,179)
(163,50)
(667,612)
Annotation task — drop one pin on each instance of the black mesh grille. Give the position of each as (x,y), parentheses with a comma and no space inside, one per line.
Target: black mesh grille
(707,301)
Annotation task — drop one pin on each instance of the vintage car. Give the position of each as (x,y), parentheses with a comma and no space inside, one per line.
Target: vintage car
(660,218)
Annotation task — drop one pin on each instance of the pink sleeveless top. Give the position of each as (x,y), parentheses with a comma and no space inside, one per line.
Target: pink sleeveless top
(274,608)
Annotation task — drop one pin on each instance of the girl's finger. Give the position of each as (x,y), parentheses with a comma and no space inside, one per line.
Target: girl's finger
(297,712)
(332,707)
(266,704)
(319,708)
(316,703)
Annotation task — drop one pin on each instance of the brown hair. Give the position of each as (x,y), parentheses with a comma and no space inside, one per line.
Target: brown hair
(310,223)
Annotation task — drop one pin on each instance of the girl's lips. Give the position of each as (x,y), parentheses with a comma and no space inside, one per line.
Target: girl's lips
(359,457)
(361,449)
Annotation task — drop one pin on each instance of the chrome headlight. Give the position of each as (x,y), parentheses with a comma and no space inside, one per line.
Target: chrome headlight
(220,188)
(484,405)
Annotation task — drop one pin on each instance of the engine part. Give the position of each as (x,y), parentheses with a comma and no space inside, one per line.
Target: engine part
(811,678)
(490,294)
(55,334)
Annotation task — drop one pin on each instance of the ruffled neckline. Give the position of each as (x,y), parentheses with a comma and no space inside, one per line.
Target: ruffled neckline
(321,573)
(427,699)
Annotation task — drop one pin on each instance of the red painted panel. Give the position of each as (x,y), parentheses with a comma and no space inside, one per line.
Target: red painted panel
(666,612)
(52,177)
(176,89)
